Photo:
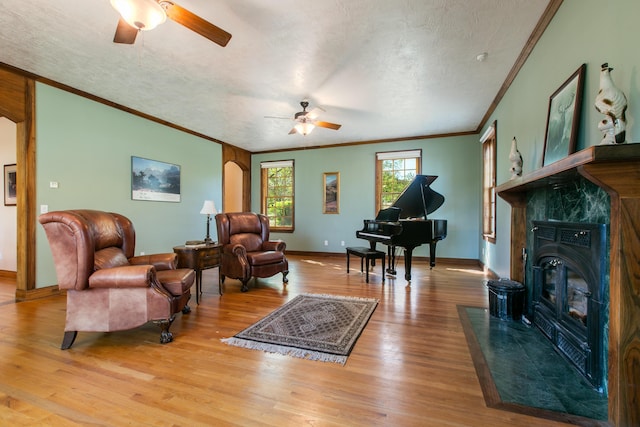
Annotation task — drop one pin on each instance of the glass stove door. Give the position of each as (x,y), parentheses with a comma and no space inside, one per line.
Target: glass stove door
(550,281)
(576,303)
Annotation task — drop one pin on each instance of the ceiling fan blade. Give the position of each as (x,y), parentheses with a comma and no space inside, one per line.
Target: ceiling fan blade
(195,23)
(327,125)
(313,114)
(292,131)
(277,117)
(125,33)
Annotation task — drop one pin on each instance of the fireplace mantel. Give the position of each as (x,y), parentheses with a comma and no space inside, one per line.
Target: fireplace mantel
(568,168)
(616,169)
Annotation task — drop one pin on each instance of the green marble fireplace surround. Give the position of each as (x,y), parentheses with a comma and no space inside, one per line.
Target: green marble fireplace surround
(600,184)
(575,200)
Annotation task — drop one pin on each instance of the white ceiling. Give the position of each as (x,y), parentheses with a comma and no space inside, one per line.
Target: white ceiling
(381,68)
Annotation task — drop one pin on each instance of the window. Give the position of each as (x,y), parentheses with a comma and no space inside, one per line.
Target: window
(277,194)
(488,141)
(395,170)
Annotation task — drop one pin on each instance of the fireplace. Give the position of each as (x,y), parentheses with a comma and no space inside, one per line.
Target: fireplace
(570,301)
(616,170)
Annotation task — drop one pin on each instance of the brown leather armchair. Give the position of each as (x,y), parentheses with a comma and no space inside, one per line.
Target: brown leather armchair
(247,251)
(108,288)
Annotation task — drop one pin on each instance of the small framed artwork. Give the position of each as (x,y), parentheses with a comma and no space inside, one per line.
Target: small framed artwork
(563,118)
(152,180)
(10,185)
(331,192)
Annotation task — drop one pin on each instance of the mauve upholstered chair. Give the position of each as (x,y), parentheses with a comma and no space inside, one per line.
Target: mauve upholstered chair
(246,249)
(108,288)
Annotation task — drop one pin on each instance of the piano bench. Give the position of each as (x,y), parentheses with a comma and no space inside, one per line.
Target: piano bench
(366,254)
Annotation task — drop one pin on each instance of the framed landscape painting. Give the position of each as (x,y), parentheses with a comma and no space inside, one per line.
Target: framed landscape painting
(152,180)
(331,193)
(563,118)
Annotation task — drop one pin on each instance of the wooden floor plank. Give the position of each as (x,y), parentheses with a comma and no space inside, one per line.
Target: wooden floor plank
(411,365)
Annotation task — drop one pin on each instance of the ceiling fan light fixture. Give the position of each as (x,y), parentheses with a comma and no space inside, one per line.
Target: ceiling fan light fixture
(141,14)
(304,128)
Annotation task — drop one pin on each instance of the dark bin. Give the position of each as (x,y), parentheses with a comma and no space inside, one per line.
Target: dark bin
(506,299)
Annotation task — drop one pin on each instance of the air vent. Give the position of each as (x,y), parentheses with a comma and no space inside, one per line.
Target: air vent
(576,237)
(547,233)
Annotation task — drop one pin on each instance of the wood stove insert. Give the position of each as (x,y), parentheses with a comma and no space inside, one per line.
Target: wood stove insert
(569,293)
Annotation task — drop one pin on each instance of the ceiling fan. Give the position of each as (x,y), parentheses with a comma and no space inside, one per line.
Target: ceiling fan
(144,15)
(306,120)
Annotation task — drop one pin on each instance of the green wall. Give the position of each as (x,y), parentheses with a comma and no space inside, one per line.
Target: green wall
(86,147)
(582,31)
(455,160)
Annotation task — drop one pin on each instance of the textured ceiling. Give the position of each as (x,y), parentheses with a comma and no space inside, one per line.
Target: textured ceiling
(381,68)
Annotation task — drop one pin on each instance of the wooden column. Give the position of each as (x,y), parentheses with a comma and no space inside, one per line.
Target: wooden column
(518,202)
(17,103)
(622,182)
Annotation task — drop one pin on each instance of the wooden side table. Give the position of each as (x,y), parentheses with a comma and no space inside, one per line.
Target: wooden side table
(199,258)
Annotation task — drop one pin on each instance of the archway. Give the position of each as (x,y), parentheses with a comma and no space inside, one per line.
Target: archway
(236,178)
(232,188)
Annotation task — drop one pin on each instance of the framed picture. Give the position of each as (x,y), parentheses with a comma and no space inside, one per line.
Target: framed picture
(563,118)
(331,192)
(10,185)
(155,181)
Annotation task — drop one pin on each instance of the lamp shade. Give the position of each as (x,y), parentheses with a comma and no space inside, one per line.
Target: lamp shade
(208,208)
(140,14)
(304,128)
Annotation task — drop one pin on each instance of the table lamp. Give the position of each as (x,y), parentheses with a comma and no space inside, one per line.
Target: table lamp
(208,209)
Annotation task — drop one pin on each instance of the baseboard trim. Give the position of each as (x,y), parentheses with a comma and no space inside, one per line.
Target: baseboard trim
(489,272)
(28,295)
(6,274)
(448,261)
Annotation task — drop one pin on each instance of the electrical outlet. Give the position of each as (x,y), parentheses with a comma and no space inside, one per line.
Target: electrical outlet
(342,243)
(44,209)
(141,253)
(326,243)
(53,184)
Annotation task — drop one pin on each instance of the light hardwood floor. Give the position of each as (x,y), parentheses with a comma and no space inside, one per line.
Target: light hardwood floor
(410,367)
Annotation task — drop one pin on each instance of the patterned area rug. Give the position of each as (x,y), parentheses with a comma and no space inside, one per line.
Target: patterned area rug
(310,326)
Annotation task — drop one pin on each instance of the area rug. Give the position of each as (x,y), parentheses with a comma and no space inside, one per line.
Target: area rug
(519,371)
(310,326)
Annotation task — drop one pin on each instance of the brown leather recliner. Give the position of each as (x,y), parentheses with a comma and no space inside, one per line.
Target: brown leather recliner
(108,288)
(247,251)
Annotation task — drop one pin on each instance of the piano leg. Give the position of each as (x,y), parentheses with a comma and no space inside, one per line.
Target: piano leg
(432,254)
(372,246)
(408,253)
(391,256)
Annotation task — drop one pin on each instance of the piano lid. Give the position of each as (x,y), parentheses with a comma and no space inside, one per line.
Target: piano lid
(391,214)
(418,199)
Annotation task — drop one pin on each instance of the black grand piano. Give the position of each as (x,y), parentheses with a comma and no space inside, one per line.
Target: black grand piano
(405,223)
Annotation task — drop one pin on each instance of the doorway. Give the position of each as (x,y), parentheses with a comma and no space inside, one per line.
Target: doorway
(232,188)
(8,215)
(236,179)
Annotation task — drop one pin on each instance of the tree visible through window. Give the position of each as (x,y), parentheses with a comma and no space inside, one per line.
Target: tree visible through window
(395,170)
(277,194)
(488,141)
